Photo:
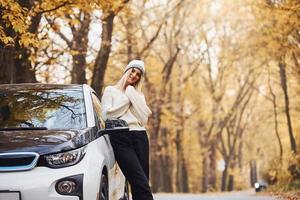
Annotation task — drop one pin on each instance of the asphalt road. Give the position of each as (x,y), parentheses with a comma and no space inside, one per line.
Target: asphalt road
(245,195)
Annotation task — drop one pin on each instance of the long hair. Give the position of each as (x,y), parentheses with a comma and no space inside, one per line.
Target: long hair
(122,82)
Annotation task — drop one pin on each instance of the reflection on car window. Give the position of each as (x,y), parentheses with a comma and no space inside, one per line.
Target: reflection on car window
(97,107)
(50,108)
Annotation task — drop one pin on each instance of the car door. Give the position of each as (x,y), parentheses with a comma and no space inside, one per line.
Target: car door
(115,176)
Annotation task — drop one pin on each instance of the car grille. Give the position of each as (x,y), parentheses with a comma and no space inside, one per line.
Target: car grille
(18,161)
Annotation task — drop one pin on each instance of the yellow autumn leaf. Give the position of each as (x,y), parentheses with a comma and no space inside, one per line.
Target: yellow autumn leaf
(74,52)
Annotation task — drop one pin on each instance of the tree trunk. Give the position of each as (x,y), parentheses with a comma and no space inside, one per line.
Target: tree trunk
(253,173)
(224,177)
(205,170)
(154,176)
(155,148)
(275,118)
(166,169)
(7,66)
(240,154)
(155,121)
(283,82)
(19,68)
(213,165)
(78,75)
(25,73)
(103,55)
(167,174)
(129,38)
(105,48)
(181,175)
(230,186)
(185,177)
(178,139)
(80,46)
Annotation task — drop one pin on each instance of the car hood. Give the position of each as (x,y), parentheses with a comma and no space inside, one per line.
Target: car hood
(43,141)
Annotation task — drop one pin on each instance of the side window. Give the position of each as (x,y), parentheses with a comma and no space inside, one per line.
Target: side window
(98,111)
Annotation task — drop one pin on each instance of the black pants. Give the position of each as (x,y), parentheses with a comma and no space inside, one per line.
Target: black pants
(131,151)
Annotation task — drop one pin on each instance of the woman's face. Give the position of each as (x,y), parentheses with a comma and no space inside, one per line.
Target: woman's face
(134,76)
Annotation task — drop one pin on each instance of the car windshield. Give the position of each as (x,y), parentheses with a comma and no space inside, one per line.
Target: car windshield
(42,108)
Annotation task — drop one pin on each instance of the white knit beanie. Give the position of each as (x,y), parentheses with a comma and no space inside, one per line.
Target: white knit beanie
(137,64)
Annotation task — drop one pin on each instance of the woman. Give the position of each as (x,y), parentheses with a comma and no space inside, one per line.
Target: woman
(126,101)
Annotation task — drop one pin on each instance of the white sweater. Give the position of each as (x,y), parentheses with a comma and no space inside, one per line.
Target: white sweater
(129,105)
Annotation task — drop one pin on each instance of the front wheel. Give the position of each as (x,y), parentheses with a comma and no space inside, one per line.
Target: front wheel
(103,188)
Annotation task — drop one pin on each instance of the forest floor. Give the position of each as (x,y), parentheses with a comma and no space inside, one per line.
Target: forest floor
(290,195)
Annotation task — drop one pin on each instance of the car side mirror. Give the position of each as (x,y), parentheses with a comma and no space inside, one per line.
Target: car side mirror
(114,126)
(115,123)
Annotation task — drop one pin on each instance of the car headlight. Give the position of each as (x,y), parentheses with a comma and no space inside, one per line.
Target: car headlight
(65,159)
(256,185)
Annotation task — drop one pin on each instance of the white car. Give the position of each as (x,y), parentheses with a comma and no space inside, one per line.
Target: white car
(53,145)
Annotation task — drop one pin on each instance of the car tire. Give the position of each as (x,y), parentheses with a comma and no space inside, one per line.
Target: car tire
(103,190)
(126,191)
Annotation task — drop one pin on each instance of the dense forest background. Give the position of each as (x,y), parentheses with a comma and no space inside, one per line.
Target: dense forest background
(222,78)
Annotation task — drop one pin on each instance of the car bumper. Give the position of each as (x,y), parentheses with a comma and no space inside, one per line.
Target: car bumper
(36,184)
(39,183)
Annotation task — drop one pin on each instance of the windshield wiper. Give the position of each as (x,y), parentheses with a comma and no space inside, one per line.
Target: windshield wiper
(23,128)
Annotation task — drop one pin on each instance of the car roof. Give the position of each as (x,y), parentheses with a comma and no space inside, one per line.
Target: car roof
(26,86)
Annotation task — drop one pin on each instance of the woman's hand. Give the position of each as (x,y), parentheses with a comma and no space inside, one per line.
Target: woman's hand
(140,108)
(130,87)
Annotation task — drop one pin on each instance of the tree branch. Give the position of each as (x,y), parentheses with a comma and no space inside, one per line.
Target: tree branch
(62,36)
(151,40)
(55,8)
